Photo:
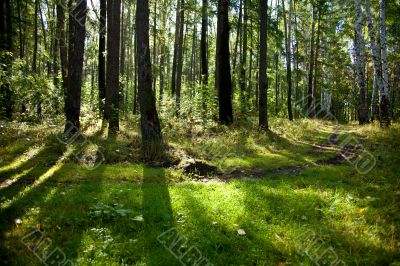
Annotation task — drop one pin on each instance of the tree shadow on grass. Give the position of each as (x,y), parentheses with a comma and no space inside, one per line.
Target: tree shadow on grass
(23,197)
(158,218)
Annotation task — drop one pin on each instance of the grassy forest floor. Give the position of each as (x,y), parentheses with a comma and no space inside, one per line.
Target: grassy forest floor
(283,198)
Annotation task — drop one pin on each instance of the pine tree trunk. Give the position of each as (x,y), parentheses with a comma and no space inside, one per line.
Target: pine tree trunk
(122,59)
(21,43)
(154,45)
(262,75)
(238,32)
(243,89)
(111,108)
(102,56)
(63,48)
(75,67)
(223,67)
(277,80)
(35,35)
(150,124)
(384,112)
(296,93)
(176,45)
(6,45)
(360,66)
(287,25)
(314,84)
(179,65)
(135,78)
(203,53)
(311,96)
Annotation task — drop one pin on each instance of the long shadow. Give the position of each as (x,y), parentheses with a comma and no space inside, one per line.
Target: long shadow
(158,217)
(28,172)
(68,210)
(20,205)
(36,196)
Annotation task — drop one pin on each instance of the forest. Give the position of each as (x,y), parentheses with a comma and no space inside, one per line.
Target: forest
(199,132)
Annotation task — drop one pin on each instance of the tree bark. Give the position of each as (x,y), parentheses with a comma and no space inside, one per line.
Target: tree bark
(179,66)
(288,32)
(154,45)
(262,75)
(6,44)
(384,113)
(223,67)
(122,59)
(296,47)
(176,44)
(63,48)
(35,35)
(150,124)
(204,54)
(111,108)
(314,84)
(238,32)
(360,66)
(102,56)
(75,66)
(376,58)
(277,79)
(243,87)
(311,96)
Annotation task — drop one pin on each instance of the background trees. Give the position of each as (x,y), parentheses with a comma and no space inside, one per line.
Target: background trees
(311,43)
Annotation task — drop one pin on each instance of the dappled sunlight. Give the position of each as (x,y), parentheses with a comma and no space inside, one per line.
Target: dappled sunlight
(28,155)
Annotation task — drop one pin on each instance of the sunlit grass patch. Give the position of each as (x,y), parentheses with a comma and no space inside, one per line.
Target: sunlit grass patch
(112,214)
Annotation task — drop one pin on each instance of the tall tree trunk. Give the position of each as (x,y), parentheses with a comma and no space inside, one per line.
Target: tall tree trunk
(277,79)
(314,84)
(223,67)
(296,93)
(154,45)
(176,45)
(262,75)
(180,56)
(75,66)
(376,58)
(6,44)
(102,55)
(243,89)
(46,47)
(360,65)
(384,113)
(122,58)
(135,78)
(238,32)
(288,32)
(150,124)
(63,48)
(250,86)
(163,51)
(311,96)
(35,35)
(204,53)
(111,108)
(21,43)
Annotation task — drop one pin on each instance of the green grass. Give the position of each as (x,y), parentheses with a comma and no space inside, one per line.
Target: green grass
(113,215)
